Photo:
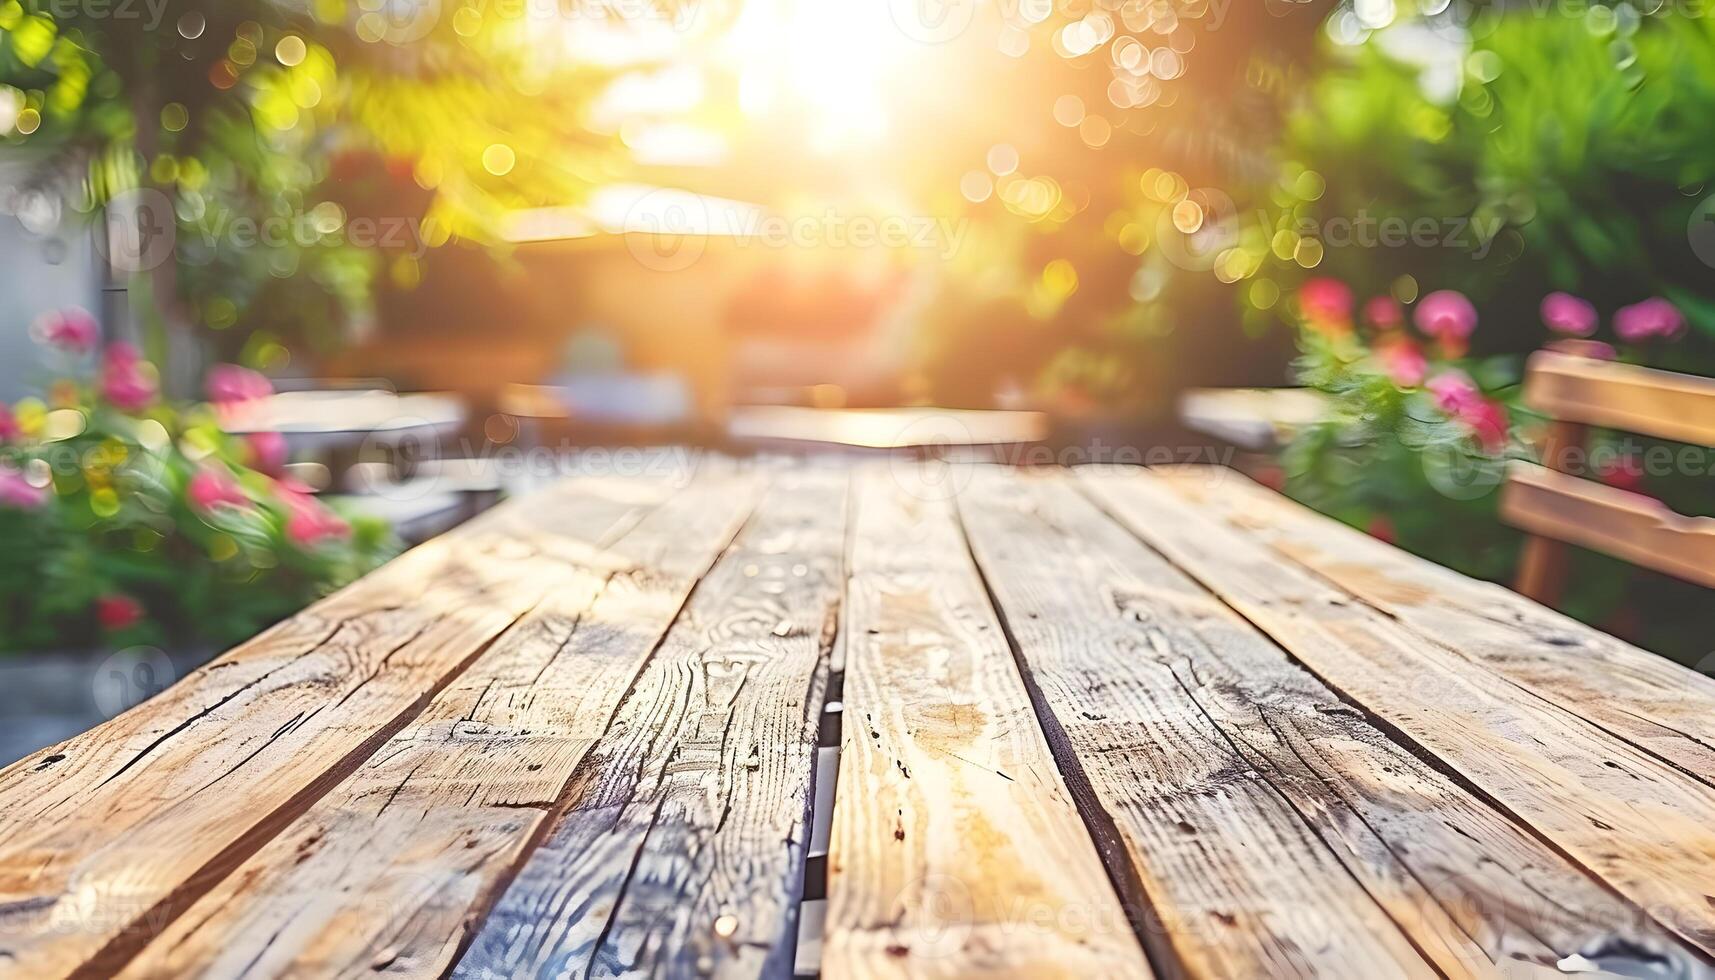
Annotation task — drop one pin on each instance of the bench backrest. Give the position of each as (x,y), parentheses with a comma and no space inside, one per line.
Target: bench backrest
(1559,508)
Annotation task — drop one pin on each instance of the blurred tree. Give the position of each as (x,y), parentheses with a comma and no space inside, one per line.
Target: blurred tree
(226,120)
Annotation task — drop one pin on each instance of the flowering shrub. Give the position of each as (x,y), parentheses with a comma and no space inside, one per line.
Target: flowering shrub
(128,518)
(1419,432)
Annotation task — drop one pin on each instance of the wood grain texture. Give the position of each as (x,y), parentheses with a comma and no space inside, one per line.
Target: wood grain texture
(1639,696)
(956,849)
(683,851)
(1626,525)
(105,837)
(1542,561)
(1622,396)
(1224,876)
(1476,894)
(1643,826)
(386,874)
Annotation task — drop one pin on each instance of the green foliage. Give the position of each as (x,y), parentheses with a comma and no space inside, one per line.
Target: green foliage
(274,127)
(1571,157)
(145,524)
(1388,459)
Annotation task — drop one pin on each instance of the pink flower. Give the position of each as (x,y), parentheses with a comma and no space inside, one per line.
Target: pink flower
(229,384)
(1651,319)
(1596,349)
(212,488)
(127,381)
(309,522)
(1404,363)
(1384,313)
(17,493)
(1449,317)
(1455,392)
(1326,303)
(1624,473)
(1382,529)
(9,429)
(1568,315)
(1457,396)
(1489,423)
(116,611)
(72,329)
(265,452)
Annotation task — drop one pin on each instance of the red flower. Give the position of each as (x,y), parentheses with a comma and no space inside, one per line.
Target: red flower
(72,330)
(212,488)
(115,611)
(9,429)
(1382,529)
(229,384)
(1450,318)
(1624,473)
(127,381)
(1326,304)
(1404,363)
(265,452)
(308,521)
(1383,312)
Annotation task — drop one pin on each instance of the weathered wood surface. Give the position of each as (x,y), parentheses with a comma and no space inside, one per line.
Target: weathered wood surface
(683,851)
(1626,525)
(1188,818)
(956,848)
(386,874)
(1089,717)
(1641,697)
(1622,396)
(1646,827)
(104,837)
(1473,892)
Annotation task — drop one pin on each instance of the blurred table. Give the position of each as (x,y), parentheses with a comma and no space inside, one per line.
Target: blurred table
(1259,419)
(887,428)
(315,420)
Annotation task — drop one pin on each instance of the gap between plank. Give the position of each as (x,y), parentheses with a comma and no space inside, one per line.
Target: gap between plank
(1381,724)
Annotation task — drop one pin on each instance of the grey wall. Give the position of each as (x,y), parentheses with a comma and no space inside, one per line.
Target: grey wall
(38,272)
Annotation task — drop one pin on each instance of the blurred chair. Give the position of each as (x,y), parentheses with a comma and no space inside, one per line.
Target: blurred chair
(1558,508)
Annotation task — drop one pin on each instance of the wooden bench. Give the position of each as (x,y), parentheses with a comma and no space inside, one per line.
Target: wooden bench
(1102,723)
(1558,508)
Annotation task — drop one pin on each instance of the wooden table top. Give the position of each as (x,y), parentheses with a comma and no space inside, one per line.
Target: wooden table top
(1095,723)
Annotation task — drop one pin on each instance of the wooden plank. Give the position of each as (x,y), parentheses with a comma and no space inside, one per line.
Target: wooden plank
(1621,396)
(956,847)
(1542,561)
(1473,891)
(1628,526)
(683,851)
(388,871)
(1640,824)
(1225,877)
(1644,698)
(105,837)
